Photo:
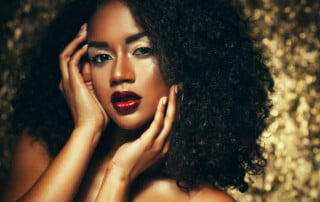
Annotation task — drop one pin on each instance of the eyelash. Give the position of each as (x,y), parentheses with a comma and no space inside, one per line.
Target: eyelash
(99,59)
(140,52)
(145,51)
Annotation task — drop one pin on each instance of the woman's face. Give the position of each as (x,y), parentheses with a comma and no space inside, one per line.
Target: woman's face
(125,74)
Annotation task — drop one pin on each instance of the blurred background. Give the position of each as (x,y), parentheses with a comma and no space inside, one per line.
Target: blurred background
(288,32)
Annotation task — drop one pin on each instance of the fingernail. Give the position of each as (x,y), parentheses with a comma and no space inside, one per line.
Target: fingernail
(83,27)
(164,100)
(176,89)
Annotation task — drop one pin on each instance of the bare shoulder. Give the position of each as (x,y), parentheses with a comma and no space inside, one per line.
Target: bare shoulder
(166,190)
(30,159)
(30,153)
(211,195)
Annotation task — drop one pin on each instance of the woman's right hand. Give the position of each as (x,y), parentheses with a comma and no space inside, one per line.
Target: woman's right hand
(76,85)
(42,181)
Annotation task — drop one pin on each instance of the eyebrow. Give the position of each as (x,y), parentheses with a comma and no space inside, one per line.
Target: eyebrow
(135,37)
(98,44)
(130,39)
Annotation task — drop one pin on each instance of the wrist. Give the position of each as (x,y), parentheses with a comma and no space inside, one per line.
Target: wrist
(90,126)
(89,132)
(115,187)
(118,174)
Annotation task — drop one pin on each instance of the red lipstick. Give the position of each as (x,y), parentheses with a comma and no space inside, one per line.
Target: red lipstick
(125,102)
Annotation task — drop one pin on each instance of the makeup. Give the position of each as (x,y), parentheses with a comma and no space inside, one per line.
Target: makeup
(125,102)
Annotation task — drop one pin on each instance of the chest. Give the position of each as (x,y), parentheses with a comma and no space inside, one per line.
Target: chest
(156,190)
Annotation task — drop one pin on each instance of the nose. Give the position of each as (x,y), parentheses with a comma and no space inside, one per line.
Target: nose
(122,72)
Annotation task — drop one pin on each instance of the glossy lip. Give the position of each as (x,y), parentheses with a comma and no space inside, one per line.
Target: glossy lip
(125,102)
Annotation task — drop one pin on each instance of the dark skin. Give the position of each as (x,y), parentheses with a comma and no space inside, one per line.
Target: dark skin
(75,173)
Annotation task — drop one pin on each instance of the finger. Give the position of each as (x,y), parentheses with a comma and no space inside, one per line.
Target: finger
(106,118)
(66,54)
(81,36)
(170,115)
(74,63)
(61,88)
(157,122)
(86,73)
(166,146)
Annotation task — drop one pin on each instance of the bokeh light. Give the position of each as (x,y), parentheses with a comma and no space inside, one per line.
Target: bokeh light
(288,32)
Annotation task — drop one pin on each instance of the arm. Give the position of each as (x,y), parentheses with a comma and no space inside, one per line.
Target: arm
(24,171)
(67,169)
(132,158)
(34,177)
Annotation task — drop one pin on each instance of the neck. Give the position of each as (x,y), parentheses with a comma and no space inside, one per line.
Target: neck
(115,137)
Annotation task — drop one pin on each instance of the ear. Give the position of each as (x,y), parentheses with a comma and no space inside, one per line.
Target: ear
(86,72)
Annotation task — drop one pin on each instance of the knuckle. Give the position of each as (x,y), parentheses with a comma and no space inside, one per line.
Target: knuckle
(155,151)
(158,121)
(157,147)
(154,127)
(63,56)
(168,124)
(146,143)
(157,127)
(170,116)
(72,63)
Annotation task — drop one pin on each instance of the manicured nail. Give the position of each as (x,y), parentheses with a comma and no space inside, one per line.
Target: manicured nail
(85,46)
(164,100)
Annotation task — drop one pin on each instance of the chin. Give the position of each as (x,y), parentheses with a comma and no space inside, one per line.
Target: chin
(131,123)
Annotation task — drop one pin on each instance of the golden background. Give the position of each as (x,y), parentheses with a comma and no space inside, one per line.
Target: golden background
(289,33)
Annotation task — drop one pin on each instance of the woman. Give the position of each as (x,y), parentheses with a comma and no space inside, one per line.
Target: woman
(167,102)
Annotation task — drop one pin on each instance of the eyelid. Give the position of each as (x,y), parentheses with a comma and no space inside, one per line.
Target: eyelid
(94,51)
(142,45)
(102,56)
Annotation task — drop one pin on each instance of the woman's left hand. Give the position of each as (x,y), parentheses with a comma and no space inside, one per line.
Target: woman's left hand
(133,158)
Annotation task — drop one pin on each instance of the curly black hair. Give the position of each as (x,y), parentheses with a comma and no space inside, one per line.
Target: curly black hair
(205,46)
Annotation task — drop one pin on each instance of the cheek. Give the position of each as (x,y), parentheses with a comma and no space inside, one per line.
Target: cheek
(152,86)
(151,77)
(100,81)
(152,82)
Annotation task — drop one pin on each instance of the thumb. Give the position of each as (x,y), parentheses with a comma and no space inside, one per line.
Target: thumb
(86,75)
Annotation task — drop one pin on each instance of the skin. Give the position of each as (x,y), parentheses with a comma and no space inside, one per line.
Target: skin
(83,176)
(126,64)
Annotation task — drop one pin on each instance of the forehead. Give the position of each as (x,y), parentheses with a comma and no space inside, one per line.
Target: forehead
(112,18)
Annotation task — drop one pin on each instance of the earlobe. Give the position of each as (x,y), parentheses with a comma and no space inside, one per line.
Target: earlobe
(86,72)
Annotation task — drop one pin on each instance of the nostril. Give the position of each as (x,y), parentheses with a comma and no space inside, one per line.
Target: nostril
(122,72)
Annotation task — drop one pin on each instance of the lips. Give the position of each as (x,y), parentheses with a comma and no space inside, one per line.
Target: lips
(125,102)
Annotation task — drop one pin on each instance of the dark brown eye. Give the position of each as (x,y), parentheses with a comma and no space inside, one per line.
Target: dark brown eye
(98,59)
(143,51)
